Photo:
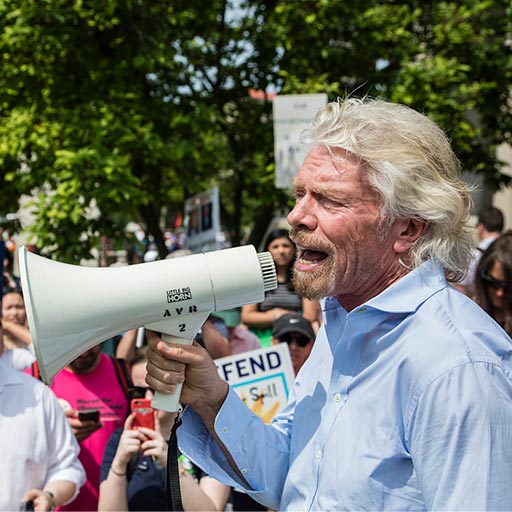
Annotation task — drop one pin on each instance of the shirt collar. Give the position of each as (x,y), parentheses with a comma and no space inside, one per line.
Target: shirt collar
(406,294)
(412,290)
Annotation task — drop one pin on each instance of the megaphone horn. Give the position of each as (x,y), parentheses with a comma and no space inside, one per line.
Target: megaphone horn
(72,308)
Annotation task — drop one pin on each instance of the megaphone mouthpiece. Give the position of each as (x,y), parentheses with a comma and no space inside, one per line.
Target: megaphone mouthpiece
(268,271)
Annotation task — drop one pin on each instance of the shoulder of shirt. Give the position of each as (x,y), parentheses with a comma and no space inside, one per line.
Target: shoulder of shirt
(11,377)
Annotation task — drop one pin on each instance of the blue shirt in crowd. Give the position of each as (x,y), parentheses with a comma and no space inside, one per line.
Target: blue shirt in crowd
(405,403)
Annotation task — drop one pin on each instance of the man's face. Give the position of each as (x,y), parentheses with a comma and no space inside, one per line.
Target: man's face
(344,248)
(87,361)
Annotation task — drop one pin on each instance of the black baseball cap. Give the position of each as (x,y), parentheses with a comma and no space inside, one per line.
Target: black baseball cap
(291,322)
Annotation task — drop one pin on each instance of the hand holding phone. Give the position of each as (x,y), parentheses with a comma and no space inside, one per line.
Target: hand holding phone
(27,505)
(144,414)
(89,415)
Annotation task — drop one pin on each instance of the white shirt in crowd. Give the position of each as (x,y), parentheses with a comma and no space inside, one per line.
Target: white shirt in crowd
(36,442)
(19,358)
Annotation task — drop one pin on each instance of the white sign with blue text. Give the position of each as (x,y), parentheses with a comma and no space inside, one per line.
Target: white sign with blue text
(262,378)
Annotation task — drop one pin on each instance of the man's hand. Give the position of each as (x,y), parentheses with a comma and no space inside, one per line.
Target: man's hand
(203,389)
(42,502)
(81,429)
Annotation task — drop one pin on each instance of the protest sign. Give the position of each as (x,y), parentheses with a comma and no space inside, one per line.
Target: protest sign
(292,115)
(262,378)
(202,220)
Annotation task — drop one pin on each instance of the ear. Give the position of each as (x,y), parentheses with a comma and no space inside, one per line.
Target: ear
(409,232)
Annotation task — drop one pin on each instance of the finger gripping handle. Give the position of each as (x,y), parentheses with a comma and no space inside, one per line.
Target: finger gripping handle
(170,401)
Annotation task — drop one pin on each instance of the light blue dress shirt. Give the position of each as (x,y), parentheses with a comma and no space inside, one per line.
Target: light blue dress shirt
(405,403)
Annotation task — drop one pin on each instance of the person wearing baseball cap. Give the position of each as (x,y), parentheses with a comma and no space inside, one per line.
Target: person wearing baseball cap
(298,332)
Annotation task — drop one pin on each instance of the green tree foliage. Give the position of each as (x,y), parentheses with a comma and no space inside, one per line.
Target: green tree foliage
(118,110)
(450,60)
(114,110)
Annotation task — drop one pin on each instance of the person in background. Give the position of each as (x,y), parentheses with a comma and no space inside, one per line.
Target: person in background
(241,339)
(39,462)
(405,402)
(19,351)
(10,281)
(133,469)
(212,340)
(93,380)
(493,281)
(298,333)
(284,299)
(128,343)
(489,227)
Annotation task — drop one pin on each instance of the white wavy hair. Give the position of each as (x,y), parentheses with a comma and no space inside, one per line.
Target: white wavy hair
(409,162)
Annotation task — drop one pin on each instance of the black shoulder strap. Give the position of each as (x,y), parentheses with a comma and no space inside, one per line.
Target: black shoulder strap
(173,490)
(35,371)
(123,375)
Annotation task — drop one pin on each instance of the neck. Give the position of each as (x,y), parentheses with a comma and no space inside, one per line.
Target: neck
(354,300)
(282,274)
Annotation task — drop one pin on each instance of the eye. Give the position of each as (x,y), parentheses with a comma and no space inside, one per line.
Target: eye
(328,202)
(298,194)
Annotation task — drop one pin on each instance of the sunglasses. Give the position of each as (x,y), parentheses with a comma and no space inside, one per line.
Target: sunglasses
(301,341)
(139,391)
(493,283)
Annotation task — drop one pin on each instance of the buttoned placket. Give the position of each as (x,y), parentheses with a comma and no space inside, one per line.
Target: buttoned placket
(348,352)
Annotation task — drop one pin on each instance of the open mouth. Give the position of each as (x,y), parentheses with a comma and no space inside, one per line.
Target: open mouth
(311,256)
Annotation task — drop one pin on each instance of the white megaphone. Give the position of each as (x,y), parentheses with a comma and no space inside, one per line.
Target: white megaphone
(71,308)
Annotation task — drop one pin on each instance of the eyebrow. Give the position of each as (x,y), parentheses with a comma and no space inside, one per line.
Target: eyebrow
(329,191)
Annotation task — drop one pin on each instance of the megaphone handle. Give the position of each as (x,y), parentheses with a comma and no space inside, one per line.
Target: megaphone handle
(170,401)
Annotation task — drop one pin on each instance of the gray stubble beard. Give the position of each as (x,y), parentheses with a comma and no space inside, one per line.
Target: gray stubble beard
(315,285)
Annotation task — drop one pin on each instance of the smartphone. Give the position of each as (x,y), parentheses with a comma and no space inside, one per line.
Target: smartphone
(27,505)
(143,412)
(89,415)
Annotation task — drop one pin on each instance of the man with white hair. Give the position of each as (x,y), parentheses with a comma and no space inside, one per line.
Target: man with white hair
(405,402)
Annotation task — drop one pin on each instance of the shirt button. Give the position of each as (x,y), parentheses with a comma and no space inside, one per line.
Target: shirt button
(337,397)
(225,430)
(318,454)
(244,470)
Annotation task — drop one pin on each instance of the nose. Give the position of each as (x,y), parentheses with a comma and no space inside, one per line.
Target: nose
(500,292)
(302,214)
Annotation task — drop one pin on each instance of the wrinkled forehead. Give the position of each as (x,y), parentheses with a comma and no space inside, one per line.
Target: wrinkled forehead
(326,160)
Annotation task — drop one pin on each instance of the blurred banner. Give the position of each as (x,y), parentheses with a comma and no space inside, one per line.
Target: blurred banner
(292,115)
(202,222)
(262,378)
